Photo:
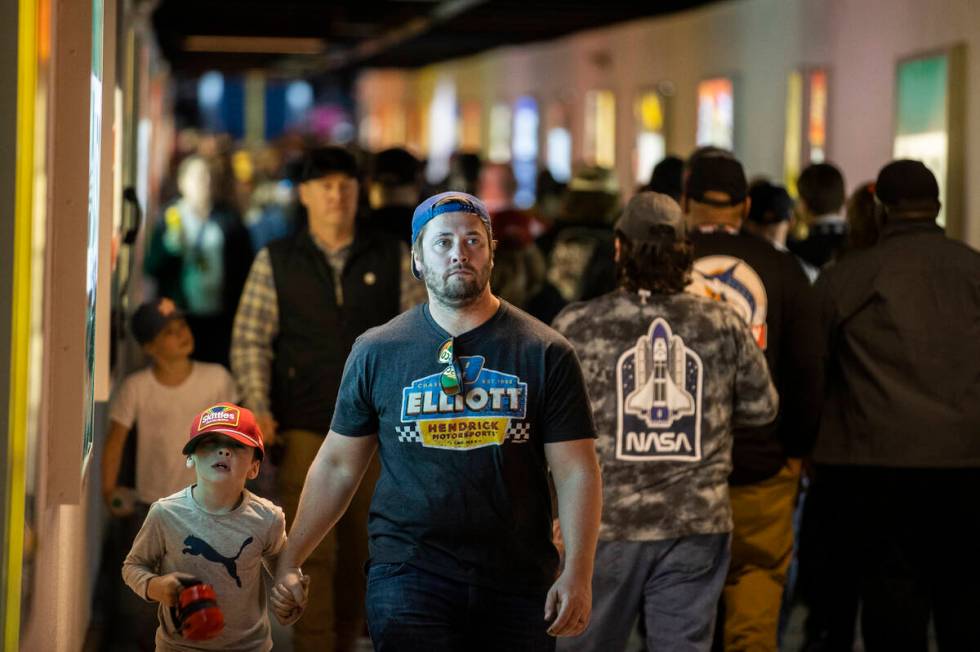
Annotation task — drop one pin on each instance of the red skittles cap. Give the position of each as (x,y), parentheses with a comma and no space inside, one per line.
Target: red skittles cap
(226,419)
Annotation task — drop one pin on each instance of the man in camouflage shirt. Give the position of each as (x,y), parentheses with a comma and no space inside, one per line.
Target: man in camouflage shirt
(669,374)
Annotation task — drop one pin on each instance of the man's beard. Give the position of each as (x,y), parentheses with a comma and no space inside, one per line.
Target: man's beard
(457,290)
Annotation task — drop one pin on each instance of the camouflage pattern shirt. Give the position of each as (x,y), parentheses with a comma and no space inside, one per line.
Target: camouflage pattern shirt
(668,377)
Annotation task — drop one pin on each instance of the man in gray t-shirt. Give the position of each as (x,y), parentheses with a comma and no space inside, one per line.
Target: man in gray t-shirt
(469,403)
(669,374)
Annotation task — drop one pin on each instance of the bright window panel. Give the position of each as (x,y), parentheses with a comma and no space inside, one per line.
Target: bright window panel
(525,150)
(923,132)
(500,125)
(793,146)
(559,154)
(716,113)
(469,127)
(651,145)
(600,128)
(817,122)
(442,130)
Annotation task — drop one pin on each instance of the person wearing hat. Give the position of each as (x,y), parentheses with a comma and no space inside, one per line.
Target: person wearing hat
(198,254)
(217,532)
(668,374)
(157,401)
(821,211)
(899,447)
(393,191)
(469,403)
(579,247)
(306,300)
(770,211)
(770,292)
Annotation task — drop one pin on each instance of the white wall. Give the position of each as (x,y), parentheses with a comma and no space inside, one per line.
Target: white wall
(758,42)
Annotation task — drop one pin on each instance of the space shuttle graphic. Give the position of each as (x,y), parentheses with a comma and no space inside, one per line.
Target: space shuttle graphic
(659,367)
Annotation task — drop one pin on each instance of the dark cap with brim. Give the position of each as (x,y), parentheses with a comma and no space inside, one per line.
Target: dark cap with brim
(771,204)
(721,176)
(908,186)
(327,160)
(647,213)
(152,317)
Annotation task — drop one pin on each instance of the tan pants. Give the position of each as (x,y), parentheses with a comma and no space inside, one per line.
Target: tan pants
(762,548)
(334,616)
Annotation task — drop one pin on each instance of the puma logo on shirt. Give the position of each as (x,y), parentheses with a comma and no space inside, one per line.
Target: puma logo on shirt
(201,547)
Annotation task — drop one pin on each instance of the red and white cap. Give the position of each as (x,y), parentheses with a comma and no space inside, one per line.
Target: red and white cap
(227,419)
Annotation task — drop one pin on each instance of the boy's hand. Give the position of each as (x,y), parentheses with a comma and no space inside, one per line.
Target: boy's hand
(166,588)
(289,596)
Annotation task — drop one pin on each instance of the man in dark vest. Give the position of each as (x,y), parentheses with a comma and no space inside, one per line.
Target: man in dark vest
(306,300)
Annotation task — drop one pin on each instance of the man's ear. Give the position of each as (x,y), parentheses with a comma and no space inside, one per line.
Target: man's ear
(253,470)
(303,194)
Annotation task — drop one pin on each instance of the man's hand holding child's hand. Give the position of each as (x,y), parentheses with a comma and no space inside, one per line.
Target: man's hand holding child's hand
(289,596)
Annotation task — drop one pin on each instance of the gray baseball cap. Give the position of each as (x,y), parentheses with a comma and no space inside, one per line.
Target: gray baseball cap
(648,210)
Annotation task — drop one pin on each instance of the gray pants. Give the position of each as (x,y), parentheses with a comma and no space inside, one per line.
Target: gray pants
(677,582)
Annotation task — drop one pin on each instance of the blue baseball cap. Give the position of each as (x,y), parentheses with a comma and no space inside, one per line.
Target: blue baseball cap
(446,202)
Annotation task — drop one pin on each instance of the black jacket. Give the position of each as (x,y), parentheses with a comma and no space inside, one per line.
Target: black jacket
(788,337)
(901,326)
(315,333)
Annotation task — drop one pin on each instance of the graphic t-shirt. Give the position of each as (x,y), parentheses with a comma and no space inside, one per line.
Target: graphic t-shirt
(769,291)
(463,490)
(227,551)
(668,376)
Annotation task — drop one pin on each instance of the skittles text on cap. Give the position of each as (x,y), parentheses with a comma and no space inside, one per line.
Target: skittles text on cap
(229,420)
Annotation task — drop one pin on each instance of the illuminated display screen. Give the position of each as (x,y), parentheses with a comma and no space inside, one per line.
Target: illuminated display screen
(817,117)
(716,113)
(525,150)
(793,146)
(600,128)
(922,131)
(651,144)
(469,126)
(558,143)
(560,154)
(442,130)
(500,118)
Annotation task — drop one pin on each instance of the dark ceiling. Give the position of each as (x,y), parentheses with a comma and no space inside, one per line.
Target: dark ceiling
(348,35)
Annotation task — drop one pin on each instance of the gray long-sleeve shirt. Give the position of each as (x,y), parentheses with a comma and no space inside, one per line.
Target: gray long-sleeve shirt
(227,551)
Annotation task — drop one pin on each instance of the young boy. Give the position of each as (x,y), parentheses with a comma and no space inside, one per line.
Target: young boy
(160,400)
(216,531)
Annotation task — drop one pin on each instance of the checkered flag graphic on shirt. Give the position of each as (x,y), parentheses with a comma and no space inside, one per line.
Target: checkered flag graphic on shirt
(408,434)
(519,432)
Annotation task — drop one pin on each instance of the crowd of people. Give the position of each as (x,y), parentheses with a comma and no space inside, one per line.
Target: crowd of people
(555,426)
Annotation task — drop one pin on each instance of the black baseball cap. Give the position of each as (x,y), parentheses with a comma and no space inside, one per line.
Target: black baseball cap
(646,212)
(322,161)
(771,204)
(395,167)
(719,175)
(908,185)
(152,317)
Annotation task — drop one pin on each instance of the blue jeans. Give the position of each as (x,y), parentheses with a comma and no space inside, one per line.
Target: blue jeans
(410,609)
(677,581)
